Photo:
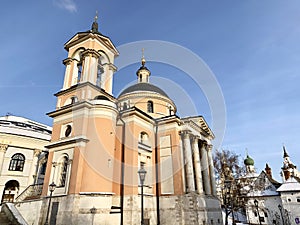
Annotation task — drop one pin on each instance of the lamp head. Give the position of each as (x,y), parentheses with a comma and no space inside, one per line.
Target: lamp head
(142,174)
(52,187)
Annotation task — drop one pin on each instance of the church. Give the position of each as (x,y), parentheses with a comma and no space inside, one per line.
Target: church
(100,143)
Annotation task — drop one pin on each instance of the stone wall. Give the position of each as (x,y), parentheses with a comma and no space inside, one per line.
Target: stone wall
(189,209)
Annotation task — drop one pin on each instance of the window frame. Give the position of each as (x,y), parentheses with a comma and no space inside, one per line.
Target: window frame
(150,108)
(17,162)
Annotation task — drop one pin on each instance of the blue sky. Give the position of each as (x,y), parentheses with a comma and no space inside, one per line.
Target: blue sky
(251,46)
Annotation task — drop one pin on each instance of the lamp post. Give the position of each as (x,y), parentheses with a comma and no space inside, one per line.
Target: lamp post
(142,174)
(256,205)
(280,209)
(52,187)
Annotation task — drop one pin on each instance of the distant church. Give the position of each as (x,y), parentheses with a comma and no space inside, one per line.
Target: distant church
(100,142)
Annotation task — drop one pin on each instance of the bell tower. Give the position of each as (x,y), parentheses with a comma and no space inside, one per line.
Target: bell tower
(90,59)
(81,151)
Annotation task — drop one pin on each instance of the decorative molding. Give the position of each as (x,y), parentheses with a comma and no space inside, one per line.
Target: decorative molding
(3,148)
(70,161)
(67,61)
(112,67)
(91,53)
(209,147)
(37,152)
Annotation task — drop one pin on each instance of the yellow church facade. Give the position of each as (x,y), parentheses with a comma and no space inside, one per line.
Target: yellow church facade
(100,142)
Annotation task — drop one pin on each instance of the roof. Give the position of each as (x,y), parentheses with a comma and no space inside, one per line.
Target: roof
(143,87)
(21,126)
(290,185)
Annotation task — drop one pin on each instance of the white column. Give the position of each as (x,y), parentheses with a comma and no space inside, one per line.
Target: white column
(67,74)
(75,73)
(205,169)
(109,78)
(3,149)
(86,68)
(197,165)
(93,70)
(211,170)
(34,164)
(188,162)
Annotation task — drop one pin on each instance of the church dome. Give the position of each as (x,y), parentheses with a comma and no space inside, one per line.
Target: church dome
(144,87)
(146,96)
(249,161)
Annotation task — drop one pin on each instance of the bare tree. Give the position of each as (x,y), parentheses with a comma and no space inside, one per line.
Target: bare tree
(228,171)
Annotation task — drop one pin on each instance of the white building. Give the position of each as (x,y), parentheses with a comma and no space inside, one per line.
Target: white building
(290,197)
(22,155)
(263,200)
(290,191)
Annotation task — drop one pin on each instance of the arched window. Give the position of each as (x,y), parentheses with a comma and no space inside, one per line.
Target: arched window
(43,168)
(100,71)
(74,99)
(63,165)
(125,105)
(79,67)
(150,107)
(144,138)
(10,191)
(17,162)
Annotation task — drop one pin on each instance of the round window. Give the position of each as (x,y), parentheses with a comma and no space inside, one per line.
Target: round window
(68,130)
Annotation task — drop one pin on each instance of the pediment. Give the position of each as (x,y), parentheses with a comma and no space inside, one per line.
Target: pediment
(83,36)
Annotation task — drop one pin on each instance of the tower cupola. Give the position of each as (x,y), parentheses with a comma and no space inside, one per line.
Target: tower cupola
(143,73)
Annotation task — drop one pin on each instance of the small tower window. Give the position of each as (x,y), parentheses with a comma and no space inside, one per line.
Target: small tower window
(17,162)
(100,71)
(125,106)
(144,138)
(79,67)
(74,99)
(150,107)
(68,130)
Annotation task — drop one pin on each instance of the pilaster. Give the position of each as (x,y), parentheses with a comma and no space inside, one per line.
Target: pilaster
(3,149)
(34,166)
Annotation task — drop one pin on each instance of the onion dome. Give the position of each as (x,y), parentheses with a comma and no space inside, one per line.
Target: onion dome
(249,161)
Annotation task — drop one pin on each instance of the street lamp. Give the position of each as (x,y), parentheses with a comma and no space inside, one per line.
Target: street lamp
(280,209)
(256,205)
(52,187)
(142,174)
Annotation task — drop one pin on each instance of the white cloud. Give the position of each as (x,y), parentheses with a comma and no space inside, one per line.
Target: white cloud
(66,4)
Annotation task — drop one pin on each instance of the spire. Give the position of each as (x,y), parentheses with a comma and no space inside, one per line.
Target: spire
(143,57)
(268,170)
(95,24)
(143,73)
(284,152)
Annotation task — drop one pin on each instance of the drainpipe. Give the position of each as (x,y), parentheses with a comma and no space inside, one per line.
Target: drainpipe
(122,169)
(156,173)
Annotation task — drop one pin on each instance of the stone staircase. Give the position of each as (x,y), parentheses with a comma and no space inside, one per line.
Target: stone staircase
(5,221)
(31,192)
(9,215)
